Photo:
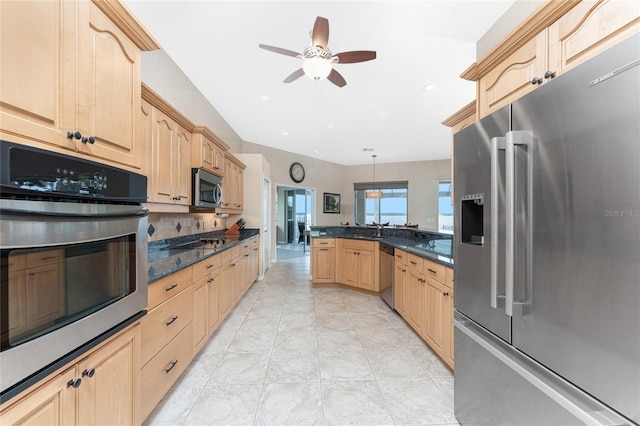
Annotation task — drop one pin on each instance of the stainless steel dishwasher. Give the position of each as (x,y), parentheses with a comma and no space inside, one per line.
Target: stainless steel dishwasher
(386,274)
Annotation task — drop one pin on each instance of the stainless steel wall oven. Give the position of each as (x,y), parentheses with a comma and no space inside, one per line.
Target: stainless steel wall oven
(73,259)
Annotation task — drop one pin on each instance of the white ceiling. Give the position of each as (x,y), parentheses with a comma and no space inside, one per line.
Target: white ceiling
(383,106)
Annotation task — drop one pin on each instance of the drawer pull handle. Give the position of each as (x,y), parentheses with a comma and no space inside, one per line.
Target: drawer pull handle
(233,265)
(431,270)
(89,373)
(324,249)
(74,383)
(412,262)
(404,270)
(324,244)
(47,258)
(171,287)
(210,266)
(444,293)
(171,365)
(210,280)
(171,321)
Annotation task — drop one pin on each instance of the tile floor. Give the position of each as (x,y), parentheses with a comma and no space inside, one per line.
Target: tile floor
(290,354)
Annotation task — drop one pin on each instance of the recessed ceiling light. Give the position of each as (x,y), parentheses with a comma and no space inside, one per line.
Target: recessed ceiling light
(316,151)
(330,126)
(285,133)
(264,97)
(367,149)
(429,86)
(382,113)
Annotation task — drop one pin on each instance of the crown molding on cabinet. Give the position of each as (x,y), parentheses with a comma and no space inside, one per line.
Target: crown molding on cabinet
(128,23)
(206,132)
(544,16)
(463,113)
(156,100)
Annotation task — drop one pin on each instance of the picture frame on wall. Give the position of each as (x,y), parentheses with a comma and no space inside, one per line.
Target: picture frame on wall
(331,203)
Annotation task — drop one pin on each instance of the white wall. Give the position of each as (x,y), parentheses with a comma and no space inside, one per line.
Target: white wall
(164,77)
(513,17)
(320,175)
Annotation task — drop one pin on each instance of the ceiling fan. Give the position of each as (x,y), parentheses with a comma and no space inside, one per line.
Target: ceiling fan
(317,58)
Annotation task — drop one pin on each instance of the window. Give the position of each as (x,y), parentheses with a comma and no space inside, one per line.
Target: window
(391,208)
(445,209)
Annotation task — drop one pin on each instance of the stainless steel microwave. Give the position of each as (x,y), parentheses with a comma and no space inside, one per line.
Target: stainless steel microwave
(206,190)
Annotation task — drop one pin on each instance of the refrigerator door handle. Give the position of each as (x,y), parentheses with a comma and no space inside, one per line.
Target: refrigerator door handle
(497,301)
(513,139)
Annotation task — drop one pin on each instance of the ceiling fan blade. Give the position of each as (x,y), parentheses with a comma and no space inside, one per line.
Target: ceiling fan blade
(294,76)
(279,50)
(320,34)
(355,56)
(336,78)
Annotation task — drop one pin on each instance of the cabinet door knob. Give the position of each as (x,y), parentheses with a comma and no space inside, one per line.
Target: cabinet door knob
(550,74)
(536,80)
(444,293)
(74,383)
(75,134)
(89,139)
(89,373)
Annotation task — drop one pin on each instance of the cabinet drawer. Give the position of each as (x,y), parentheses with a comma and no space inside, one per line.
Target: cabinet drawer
(164,322)
(165,368)
(415,262)
(324,242)
(448,277)
(41,258)
(206,266)
(400,257)
(434,270)
(358,245)
(168,287)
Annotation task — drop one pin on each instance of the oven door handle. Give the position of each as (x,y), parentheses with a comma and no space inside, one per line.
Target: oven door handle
(54,209)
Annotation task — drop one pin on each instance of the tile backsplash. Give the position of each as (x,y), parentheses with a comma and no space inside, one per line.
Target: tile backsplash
(171,225)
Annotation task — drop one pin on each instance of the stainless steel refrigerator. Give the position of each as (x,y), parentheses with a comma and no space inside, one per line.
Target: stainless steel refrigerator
(547,252)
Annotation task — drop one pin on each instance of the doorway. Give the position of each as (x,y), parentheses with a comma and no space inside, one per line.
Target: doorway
(294,214)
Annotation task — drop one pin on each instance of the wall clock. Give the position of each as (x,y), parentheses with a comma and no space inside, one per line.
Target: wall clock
(296,171)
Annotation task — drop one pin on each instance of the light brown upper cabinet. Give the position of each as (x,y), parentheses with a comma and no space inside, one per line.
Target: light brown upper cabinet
(555,38)
(168,142)
(207,151)
(71,78)
(232,185)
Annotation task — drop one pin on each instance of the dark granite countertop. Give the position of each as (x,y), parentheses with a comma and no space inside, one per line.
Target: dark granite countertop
(430,245)
(171,255)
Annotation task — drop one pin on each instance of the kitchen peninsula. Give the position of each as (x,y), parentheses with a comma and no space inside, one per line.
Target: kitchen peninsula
(419,277)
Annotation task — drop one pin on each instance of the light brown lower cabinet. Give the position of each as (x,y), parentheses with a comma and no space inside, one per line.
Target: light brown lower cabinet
(103,387)
(357,263)
(424,298)
(401,291)
(323,260)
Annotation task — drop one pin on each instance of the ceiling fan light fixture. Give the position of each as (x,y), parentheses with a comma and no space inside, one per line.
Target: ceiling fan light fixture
(317,68)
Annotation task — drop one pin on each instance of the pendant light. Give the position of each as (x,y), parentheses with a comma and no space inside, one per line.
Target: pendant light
(375,193)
